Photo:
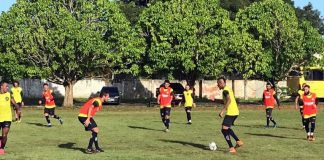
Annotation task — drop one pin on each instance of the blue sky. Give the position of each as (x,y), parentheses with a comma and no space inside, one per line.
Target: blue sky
(317,4)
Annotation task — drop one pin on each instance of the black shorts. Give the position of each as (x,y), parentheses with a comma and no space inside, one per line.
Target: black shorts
(269,112)
(5,124)
(166,111)
(188,109)
(310,120)
(19,105)
(50,111)
(229,120)
(91,125)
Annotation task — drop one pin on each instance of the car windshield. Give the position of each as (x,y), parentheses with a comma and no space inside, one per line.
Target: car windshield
(113,91)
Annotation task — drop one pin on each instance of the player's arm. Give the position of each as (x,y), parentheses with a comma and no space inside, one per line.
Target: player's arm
(226,103)
(263,98)
(41,100)
(22,96)
(172,95)
(159,98)
(277,99)
(13,102)
(296,101)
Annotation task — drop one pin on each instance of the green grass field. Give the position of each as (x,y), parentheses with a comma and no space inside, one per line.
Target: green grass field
(136,133)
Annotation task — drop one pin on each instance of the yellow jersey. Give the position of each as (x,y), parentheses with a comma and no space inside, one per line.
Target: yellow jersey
(17,94)
(5,107)
(188,98)
(232,109)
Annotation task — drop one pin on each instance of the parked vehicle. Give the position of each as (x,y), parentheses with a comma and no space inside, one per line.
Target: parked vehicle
(114,97)
(177,93)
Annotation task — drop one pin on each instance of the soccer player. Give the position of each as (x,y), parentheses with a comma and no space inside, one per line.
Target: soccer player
(49,110)
(17,94)
(269,100)
(299,102)
(232,112)
(189,102)
(5,114)
(87,112)
(164,99)
(310,102)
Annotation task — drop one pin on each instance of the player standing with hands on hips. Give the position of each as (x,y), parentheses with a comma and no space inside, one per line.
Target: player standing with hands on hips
(269,100)
(232,112)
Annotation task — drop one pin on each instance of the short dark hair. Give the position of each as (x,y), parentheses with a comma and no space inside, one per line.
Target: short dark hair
(167,81)
(45,84)
(268,83)
(15,82)
(103,94)
(2,82)
(221,77)
(307,86)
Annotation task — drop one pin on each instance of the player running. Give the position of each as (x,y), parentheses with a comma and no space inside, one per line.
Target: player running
(87,112)
(164,99)
(189,102)
(49,110)
(5,114)
(232,112)
(299,102)
(309,101)
(269,100)
(17,95)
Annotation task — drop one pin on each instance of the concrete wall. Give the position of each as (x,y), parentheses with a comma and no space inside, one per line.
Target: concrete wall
(145,88)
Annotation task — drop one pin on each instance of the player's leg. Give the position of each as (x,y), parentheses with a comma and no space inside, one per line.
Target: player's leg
(301,110)
(19,112)
(312,129)
(188,112)
(227,122)
(167,118)
(46,115)
(56,116)
(162,114)
(5,130)
(16,113)
(267,117)
(307,121)
(272,119)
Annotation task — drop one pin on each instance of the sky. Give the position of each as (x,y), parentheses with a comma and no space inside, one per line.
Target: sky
(317,4)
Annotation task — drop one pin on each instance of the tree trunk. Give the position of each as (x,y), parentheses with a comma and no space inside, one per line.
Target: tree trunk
(68,98)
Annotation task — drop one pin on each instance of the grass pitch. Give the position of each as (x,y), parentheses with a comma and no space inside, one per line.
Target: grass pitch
(136,133)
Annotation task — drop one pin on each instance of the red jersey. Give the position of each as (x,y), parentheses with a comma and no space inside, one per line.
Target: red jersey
(49,99)
(96,102)
(269,100)
(309,105)
(165,97)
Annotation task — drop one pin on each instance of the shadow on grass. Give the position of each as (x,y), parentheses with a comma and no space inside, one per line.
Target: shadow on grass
(201,146)
(170,122)
(270,135)
(37,124)
(263,126)
(70,145)
(144,128)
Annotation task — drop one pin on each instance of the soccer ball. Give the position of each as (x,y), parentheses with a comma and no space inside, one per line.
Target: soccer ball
(212,146)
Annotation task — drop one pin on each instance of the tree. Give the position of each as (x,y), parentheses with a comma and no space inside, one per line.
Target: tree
(312,15)
(185,39)
(274,23)
(71,40)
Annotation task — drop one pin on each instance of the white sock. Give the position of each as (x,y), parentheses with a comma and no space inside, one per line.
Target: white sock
(308,133)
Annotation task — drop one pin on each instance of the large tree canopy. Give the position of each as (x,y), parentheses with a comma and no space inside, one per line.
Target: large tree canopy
(274,23)
(186,39)
(70,40)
